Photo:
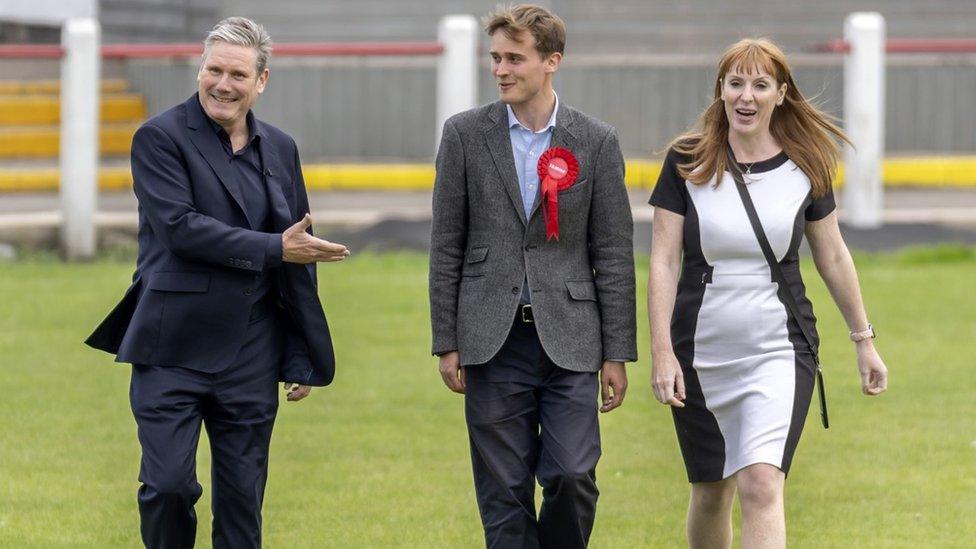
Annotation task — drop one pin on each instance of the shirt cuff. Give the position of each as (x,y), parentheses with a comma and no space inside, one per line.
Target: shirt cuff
(272,251)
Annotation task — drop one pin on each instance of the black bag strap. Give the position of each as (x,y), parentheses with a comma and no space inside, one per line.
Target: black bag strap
(777,274)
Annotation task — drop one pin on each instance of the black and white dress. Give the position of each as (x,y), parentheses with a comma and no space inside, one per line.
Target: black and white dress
(748,371)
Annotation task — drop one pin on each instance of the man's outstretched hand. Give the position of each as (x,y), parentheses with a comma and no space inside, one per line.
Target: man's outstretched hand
(297,246)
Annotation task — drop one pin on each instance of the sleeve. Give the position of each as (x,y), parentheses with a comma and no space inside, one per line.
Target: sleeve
(272,252)
(165,194)
(670,192)
(611,233)
(448,239)
(821,207)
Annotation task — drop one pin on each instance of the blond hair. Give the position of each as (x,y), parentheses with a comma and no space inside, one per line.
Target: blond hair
(546,27)
(800,128)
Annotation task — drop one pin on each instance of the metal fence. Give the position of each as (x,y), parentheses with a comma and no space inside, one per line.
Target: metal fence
(383,108)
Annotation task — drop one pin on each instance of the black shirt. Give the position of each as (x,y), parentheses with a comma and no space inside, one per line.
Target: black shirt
(248,169)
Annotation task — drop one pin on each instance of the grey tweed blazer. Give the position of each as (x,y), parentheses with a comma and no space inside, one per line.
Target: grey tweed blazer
(483,246)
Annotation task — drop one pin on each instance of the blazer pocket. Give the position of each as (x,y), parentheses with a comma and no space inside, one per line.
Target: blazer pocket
(180,282)
(477,254)
(581,290)
(581,184)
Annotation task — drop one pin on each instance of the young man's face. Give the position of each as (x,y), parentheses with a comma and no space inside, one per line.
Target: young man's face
(520,71)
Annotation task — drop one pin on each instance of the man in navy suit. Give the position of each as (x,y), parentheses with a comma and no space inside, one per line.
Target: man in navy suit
(223,303)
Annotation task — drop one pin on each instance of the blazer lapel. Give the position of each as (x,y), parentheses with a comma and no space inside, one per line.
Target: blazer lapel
(563,135)
(500,145)
(275,176)
(206,141)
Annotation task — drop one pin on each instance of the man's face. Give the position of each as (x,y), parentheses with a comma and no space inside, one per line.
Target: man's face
(519,69)
(229,83)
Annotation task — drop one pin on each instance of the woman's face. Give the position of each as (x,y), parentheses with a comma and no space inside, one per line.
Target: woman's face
(750,97)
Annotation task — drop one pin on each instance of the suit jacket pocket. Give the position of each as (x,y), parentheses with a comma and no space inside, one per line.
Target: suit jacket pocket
(180,282)
(577,186)
(477,254)
(581,290)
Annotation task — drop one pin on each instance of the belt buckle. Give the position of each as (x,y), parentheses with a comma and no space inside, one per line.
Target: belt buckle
(527,314)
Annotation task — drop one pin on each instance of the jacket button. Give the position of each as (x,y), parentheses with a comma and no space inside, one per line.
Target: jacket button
(248,291)
(529,247)
(515,290)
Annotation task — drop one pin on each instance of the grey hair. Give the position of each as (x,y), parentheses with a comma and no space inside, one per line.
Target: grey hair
(241,31)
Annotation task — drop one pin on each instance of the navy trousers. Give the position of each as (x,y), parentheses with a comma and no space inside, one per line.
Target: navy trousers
(528,419)
(238,407)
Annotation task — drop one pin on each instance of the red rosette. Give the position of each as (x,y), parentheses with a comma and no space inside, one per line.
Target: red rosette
(558,169)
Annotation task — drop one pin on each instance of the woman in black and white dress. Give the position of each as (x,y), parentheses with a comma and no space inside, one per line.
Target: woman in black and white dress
(727,355)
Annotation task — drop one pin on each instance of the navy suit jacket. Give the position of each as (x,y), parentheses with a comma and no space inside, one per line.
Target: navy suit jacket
(199,260)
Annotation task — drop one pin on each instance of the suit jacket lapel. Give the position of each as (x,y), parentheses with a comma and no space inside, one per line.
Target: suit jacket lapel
(275,176)
(206,141)
(563,135)
(500,145)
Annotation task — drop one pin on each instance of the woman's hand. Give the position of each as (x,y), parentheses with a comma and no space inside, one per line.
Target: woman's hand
(874,374)
(667,381)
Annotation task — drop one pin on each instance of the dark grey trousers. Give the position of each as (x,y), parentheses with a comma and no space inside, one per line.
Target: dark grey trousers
(529,419)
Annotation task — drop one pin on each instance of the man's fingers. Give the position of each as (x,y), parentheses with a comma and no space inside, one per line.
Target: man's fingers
(613,403)
(453,381)
(324,250)
(679,382)
(332,247)
(604,390)
(324,246)
(303,224)
(297,392)
(619,391)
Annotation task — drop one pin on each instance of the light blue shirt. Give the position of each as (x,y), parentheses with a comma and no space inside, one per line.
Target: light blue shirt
(527,147)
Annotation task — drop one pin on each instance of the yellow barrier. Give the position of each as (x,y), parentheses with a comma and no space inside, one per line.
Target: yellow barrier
(46,109)
(399,177)
(109,179)
(53,87)
(640,174)
(45,141)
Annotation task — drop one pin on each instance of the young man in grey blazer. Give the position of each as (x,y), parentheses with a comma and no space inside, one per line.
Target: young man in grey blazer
(532,289)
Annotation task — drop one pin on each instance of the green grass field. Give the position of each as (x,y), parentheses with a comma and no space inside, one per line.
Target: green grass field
(380,458)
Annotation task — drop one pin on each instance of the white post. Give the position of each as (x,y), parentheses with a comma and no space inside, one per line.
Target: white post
(457,68)
(80,74)
(864,107)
